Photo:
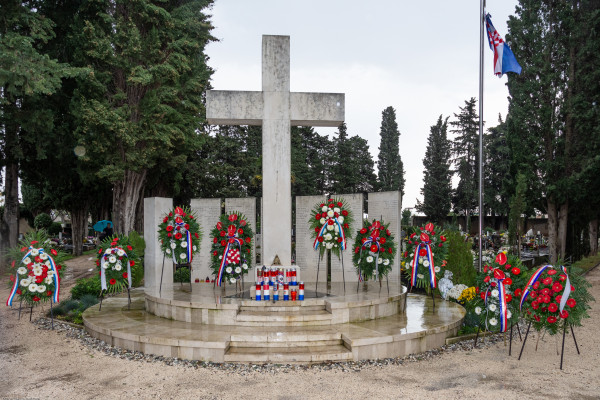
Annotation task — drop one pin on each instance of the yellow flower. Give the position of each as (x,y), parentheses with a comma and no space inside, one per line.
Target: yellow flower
(467,295)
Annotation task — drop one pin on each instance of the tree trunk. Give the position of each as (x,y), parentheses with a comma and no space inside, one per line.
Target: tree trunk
(79,223)
(562,230)
(552,231)
(593,232)
(10,219)
(139,217)
(126,194)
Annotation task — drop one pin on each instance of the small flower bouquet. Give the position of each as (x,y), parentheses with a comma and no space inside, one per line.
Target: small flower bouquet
(180,235)
(374,251)
(38,270)
(554,294)
(115,260)
(331,225)
(426,254)
(496,305)
(231,248)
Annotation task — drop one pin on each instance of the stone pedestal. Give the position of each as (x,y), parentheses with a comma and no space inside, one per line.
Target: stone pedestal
(208,212)
(155,208)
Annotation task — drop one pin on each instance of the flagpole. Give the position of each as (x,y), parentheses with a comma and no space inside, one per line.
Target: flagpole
(481,21)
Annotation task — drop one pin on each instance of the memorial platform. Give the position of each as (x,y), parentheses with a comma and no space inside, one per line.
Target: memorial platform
(211,324)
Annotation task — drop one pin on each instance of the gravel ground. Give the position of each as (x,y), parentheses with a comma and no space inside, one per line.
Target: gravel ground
(66,363)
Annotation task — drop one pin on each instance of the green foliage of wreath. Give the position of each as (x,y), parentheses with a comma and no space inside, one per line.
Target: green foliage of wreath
(172,233)
(336,217)
(117,252)
(374,250)
(433,235)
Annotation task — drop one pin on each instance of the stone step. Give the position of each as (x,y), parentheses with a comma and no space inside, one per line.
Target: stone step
(302,354)
(280,307)
(288,344)
(284,318)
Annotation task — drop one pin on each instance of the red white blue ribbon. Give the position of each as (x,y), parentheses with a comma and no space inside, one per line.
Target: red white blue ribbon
(415,265)
(371,240)
(237,241)
(189,246)
(55,276)
(502,304)
(324,230)
(566,292)
(534,278)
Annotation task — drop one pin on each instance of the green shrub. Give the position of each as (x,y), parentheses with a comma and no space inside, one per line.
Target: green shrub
(54,229)
(138,243)
(42,221)
(86,286)
(71,310)
(460,259)
(182,275)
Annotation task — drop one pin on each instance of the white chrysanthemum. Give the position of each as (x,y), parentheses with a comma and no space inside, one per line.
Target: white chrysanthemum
(48,281)
(173,245)
(330,227)
(493,321)
(182,256)
(369,259)
(41,288)
(329,246)
(168,251)
(495,292)
(437,269)
(183,244)
(336,229)
(322,221)
(34,252)
(27,260)
(245,266)
(25,282)
(232,280)
(492,307)
(478,310)
(238,270)
(327,236)
(330,214)
(107,251)
(32,287)
(380,261)
(112,259)
(386,262)
(21,270)
(118,267)
(106,265)
(228,270)
(50,273)
(426,264)
(120,252)
(508,314)
(341,219)
(194,248)
(220,257)
(420,276)
(336,209)
(47,263)
(37,271)
(44,256)
(324,208)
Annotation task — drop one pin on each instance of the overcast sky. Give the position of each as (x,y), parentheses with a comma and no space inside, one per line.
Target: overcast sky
(422,58)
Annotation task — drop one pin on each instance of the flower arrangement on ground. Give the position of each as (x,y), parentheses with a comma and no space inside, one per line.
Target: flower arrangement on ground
(374,251)
(37,270)
(231,248)
(554,294)
(496,306)
(426,254)
(115,260)
(331,224)
(180,235)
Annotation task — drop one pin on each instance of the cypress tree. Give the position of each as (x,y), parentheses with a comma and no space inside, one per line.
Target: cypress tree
(389,163)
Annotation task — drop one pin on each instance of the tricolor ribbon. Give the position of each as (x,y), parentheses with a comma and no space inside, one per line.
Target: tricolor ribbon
(40,251)
(534,278)
(324,230)
(189,246)
(103,263)
(415,264)
(235,241)
(566,292)
(502,304)
(372,239)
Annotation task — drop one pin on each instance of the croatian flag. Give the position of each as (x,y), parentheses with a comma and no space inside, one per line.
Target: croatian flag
(504,59)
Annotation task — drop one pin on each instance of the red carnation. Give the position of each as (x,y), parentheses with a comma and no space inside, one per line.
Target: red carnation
(571,303)
(547,281)
(482,295)
(242,222)
(363,240)
(443,238)
(320,239)
(125,275)
(318,217)
(53,252)
(382,240)
(191,216)
(330,200)
(178,235)
(493,284)
(486,279)
(215,253)
(515,271)
(240,231)
(535,305)
(129,248)
(551,319)
(363,231)
(340,204)
(223,243)
(248,239)
(356,250)
(23,249)
(339,240)
(187,226)
(322,205)
(533,295)
(169,228)
(562,278)
(422,252)
(336,214)
(19,291)
(406,254)
(58,267)
(508,298)
(346,226)
(390,250)
(196,235)
(317,229)
(564,314)
(112,281)
(49,293)
(536,285)
(537,318)
(131,263)
(99,251)
(165,219)
(223,233)
(344,213)
(551,272)
(330,205)
(373,248)
(508,281)
(330,222)
(552,307)
(557,287)
(215,240)
(35,298)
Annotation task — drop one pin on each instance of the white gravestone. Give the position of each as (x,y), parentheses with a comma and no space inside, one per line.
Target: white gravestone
(306,256)
(207,212)
(354,202)
(155,208)
(246,206)
(276,109)
(389,206)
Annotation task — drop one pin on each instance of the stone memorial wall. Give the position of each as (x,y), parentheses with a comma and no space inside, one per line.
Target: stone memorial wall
(355,204)
(246,206)
(154,210)
(208,212)
(306,256)
(388,205)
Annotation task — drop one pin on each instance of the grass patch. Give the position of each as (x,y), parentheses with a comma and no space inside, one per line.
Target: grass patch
(72,309)
(587,263)
(70,256)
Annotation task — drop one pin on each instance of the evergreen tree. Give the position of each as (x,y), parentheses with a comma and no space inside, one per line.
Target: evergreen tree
(353,170)
(437,185)
(142,102)
(496,170)
(389,164)
(466,159)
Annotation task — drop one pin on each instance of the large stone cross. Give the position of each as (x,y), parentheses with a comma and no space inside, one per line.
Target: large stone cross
(276,109)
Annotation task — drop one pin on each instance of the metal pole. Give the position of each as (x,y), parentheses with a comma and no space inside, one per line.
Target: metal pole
(481,20)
